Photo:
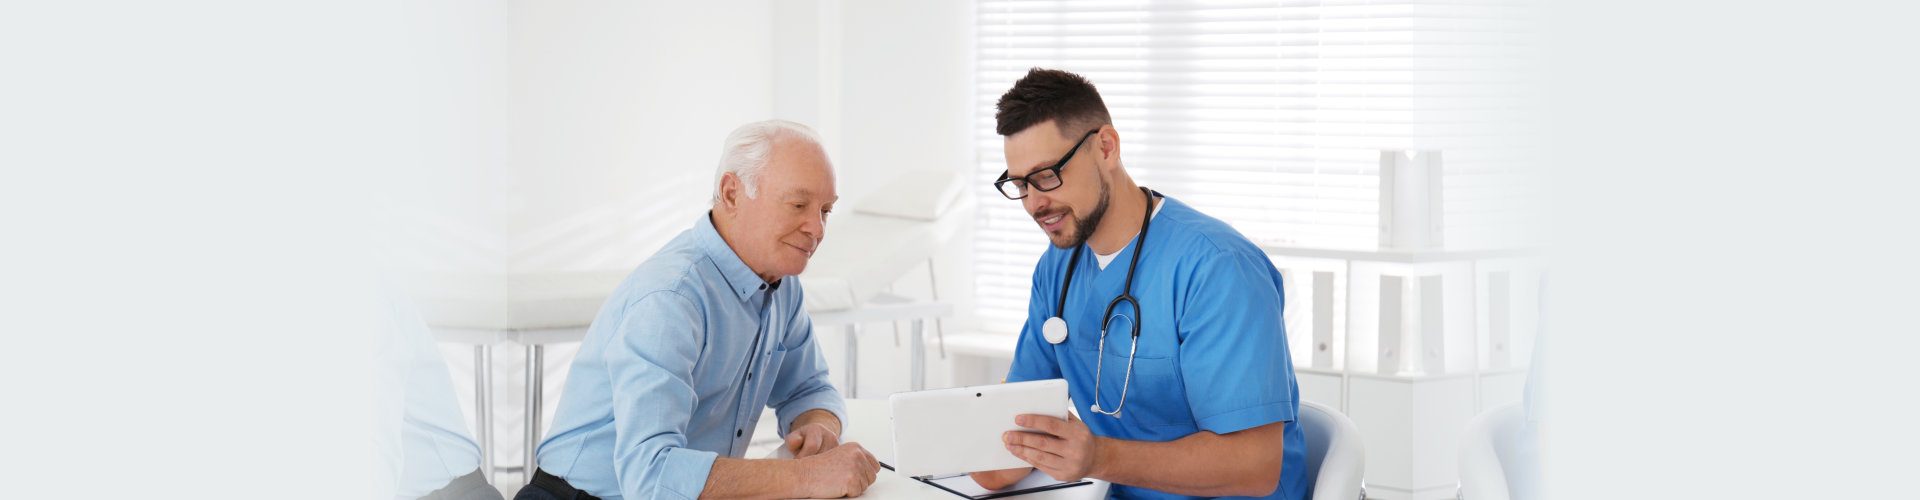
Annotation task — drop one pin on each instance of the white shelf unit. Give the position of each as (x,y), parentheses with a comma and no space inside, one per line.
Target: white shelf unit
(1410,345)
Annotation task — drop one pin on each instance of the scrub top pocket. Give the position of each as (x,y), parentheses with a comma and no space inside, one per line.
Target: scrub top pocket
(1155,396)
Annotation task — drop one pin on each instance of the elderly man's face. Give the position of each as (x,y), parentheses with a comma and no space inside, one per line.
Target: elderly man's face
(779,231)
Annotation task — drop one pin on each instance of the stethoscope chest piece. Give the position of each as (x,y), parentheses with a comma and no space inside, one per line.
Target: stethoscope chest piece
(1055,329)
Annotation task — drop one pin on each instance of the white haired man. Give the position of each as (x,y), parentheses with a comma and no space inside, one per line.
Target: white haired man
(676,366)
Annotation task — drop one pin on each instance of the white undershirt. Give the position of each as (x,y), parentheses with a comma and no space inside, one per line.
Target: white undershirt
(1104,259)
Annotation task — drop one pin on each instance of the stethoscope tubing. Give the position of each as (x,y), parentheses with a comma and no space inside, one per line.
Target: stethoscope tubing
(1126,295)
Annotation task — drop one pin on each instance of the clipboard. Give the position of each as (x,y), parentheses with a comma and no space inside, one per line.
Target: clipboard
(963,486)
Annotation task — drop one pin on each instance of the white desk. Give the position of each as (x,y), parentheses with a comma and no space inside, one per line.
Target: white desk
(872,427)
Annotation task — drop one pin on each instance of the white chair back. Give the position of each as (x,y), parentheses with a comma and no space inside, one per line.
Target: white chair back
(1484,449)
(1336,459)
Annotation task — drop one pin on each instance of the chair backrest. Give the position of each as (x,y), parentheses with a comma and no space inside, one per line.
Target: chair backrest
(1335,458)
(1485,448)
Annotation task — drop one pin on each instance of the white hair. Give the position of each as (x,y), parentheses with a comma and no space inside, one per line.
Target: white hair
(749,148)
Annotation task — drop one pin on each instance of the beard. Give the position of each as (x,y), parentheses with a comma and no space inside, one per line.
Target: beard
(1083,227)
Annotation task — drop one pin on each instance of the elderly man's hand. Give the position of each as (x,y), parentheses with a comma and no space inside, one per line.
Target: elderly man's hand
(1067,451)
(846,471)
(811,439)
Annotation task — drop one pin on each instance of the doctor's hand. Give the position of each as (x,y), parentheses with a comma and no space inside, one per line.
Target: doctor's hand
(844,471)
(997,479)
(1066,452)
(811,439)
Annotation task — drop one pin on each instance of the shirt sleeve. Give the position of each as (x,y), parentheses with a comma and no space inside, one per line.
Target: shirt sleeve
(802,384)
(650,364)
(1033,356)
(1233,352)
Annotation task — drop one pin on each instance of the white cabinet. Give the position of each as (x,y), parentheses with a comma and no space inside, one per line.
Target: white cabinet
(1321,386)
(1409,425)
(1411,345)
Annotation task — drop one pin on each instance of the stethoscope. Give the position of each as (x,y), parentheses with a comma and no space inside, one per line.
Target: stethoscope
(1055,329)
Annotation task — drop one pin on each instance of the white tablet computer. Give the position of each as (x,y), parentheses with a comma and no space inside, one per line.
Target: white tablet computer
(947,431)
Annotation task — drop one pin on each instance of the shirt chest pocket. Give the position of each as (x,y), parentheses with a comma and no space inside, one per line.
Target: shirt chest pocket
(769,365)
(1154,393)
(781,347)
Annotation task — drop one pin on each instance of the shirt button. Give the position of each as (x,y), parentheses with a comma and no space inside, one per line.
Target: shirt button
(738,433)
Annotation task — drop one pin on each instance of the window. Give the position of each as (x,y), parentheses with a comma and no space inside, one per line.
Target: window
(1270,115)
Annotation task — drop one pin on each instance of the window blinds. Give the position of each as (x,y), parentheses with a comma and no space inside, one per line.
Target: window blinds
(1270,115)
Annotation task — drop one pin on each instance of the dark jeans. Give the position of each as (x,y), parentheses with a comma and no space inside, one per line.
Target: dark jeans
(550,487)
(472,486)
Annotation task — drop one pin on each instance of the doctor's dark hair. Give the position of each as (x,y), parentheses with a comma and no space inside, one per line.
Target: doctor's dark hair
(1050,94)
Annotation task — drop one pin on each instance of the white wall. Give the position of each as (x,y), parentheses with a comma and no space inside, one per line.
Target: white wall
(896,80)
(905,91)
(617,114)
(192,192)
(617,111)
(445,214)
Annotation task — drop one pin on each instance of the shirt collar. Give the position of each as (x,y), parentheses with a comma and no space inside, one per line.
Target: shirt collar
(740,278)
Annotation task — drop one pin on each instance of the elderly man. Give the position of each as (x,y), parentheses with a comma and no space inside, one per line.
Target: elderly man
(672,375)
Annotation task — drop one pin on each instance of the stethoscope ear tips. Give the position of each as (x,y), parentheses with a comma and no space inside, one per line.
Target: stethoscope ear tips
(1055,330)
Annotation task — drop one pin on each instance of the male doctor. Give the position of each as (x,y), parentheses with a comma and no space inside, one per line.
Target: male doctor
(1189,391)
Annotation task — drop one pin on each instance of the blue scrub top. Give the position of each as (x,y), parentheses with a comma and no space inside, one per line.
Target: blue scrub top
(1213,348)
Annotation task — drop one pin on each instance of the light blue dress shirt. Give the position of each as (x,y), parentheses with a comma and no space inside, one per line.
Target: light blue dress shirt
(1213,349)
(675,369)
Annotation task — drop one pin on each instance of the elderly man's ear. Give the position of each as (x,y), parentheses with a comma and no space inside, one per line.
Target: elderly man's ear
(729,192)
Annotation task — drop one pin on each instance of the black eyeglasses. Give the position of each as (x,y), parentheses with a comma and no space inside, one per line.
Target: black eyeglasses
(1046,179)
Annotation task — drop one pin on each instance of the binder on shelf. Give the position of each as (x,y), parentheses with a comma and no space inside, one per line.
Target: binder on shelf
(1410,200)
(1499,320)
(1392,292)
(1323,319)
(1433,334)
